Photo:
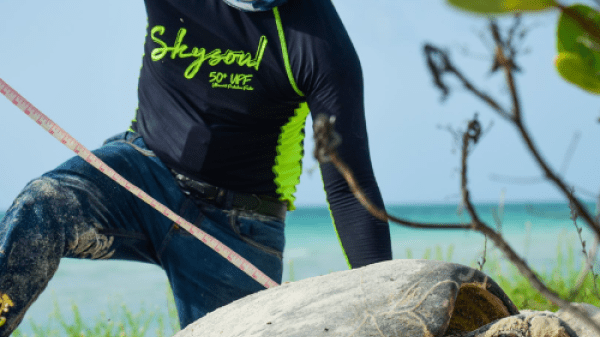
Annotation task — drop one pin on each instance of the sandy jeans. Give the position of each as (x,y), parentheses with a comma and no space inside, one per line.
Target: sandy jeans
(76,211)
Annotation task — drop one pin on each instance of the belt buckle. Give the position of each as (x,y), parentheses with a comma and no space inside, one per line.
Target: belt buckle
(198,187)
(259,203)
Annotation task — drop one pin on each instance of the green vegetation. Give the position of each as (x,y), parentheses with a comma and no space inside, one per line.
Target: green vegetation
(119,322)
(561,279)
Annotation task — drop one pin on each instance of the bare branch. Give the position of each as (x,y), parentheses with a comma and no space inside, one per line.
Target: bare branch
(439,63)
(589,259)
(563,169)
(515,117)
(512,32)
(506,64)
(504,59)
(569,154)
(509,66)
(507,45)
(536,180)
(518,122)
(483,260)
(457,134)
(324,134)
(326,141)
(503,245)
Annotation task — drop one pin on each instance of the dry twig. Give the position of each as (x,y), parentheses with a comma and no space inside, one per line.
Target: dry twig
(326,140)
(507,64)
(439,64)
(589,259)
(563,168)
(445,66)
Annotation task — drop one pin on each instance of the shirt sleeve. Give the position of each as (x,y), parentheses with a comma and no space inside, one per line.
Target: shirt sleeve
(364,238)
(330,75)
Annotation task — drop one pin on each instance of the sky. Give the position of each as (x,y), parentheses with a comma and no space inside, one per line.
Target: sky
(79,61)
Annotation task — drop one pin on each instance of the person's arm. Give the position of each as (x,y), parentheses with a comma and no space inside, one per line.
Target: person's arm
(328,72)
(339,92)
(364,238)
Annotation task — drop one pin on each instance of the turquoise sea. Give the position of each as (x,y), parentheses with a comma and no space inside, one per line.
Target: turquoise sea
(535,230)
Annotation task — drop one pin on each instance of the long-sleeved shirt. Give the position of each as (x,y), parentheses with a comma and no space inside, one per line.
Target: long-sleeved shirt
(224,96)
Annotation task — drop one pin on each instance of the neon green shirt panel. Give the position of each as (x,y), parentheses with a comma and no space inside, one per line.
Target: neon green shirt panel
(290,145)
(290,150)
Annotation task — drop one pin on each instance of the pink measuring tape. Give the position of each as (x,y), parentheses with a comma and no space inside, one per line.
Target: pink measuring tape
(89,157)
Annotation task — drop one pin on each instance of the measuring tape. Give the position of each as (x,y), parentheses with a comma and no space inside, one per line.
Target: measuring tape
(89,157)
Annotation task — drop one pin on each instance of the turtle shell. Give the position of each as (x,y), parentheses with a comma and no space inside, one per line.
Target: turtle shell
(404,298)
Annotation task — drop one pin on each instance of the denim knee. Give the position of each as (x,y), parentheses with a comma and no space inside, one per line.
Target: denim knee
(30,247)
(32,213)
(50,211)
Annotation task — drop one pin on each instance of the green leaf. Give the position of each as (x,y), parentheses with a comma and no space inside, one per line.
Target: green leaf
(578,46)
(502,6)
(575,70)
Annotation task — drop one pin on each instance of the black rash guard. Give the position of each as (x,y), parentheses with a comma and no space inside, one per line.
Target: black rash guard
(224,95)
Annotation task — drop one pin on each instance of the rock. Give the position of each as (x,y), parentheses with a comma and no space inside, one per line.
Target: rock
(540,324)
(580,328)
(529,324)
(406,298)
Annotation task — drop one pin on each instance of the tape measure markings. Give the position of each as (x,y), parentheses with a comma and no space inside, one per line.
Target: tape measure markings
(70,142)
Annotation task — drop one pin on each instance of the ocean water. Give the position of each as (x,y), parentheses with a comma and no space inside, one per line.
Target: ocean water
(536,231)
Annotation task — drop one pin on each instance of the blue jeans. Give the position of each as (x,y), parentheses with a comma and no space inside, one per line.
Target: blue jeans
(76,211)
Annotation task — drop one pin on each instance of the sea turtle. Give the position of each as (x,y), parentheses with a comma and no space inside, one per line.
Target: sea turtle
(400,298)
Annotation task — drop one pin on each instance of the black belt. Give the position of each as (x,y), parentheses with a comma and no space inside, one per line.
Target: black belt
(225,199)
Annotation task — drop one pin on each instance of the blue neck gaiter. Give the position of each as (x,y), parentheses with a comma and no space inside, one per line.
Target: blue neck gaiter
(254,5)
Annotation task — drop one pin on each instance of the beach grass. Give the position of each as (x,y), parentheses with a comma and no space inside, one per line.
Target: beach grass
(123,322)
(561,279)
(119,321)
